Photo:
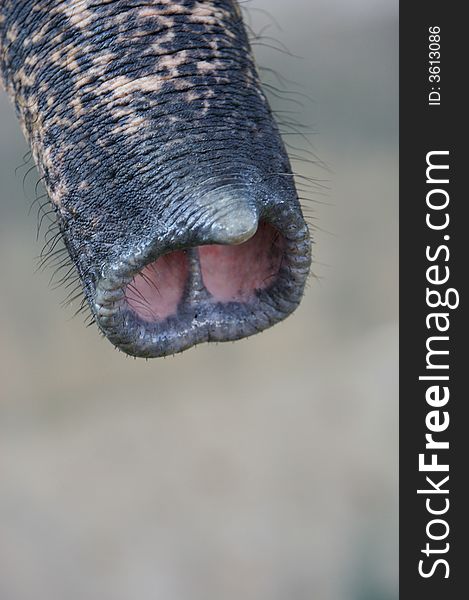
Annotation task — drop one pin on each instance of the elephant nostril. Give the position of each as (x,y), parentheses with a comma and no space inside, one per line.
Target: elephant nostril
(235,273)
(156,291)
(229,273)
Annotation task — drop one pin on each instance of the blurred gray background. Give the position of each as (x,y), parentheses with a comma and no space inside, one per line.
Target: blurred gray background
(260,470)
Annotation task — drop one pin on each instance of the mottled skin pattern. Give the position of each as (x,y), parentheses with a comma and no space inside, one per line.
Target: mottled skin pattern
(138,113)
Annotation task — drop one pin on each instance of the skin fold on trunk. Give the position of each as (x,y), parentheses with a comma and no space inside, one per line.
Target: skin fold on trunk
(159,152)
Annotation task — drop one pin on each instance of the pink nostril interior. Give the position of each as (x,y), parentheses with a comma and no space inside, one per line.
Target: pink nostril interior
(156,291)
(229,273)
(234,273)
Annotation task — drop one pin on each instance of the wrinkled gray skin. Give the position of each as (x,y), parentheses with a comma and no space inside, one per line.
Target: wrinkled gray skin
(149,126)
